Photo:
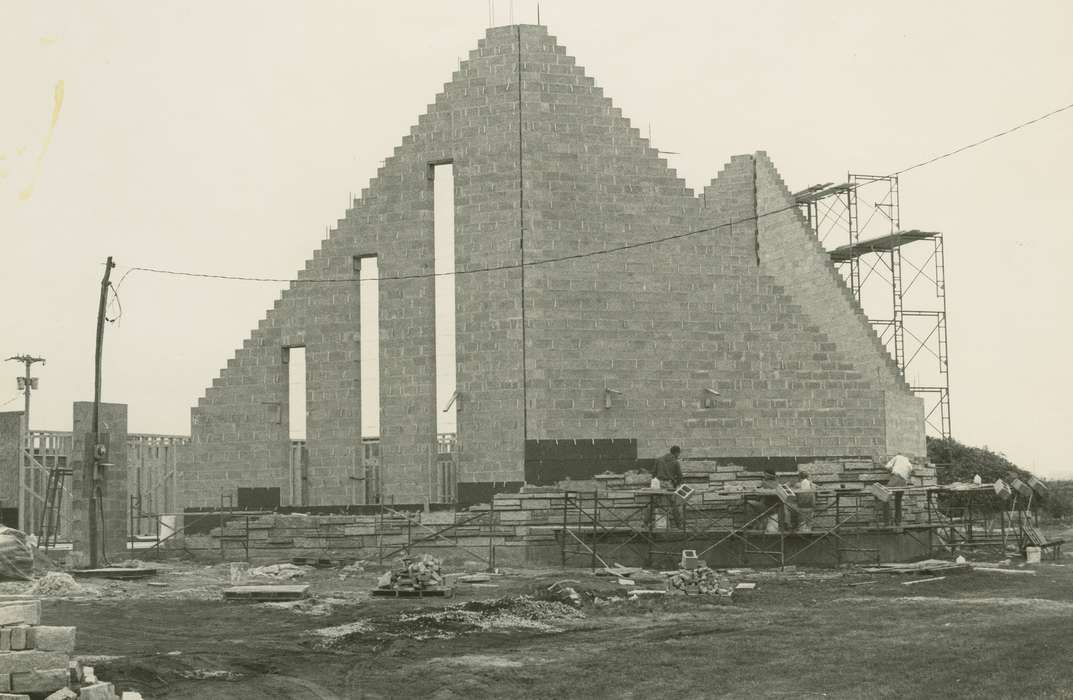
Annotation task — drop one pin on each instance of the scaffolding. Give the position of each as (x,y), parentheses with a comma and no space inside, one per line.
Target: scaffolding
(758,527)
(764,526)
(897,276)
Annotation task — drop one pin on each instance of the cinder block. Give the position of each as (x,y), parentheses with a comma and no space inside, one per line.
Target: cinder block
(20,613)
(16,661)
(97,691)
(20,639)
(43,681)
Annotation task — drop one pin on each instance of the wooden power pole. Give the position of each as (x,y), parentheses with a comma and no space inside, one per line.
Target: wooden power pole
(27,384)
(92,468)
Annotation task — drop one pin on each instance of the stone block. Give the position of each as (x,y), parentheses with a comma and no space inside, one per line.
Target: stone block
(41,681)
(97,691)
(5,639)
(16,661)
(21,638)
(63,694)
(359,529)
(5,683)
(20,613)
(13,696)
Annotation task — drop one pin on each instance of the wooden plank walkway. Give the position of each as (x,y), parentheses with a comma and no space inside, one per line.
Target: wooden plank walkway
(261,593)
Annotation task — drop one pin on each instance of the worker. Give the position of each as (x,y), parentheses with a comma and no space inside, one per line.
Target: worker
(669,472)
(772,504)
(668,469)
(901,470)
(806,501)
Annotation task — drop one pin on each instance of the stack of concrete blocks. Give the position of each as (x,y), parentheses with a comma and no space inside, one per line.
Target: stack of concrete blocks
(34,658)
(530,518)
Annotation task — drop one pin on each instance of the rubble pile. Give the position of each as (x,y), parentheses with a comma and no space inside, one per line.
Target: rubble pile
(503,614)
(285,572)
(701,580)
(55,583)
(413,573)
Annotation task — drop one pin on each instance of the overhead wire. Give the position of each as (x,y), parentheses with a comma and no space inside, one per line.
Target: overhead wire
(577,256)
(118,303)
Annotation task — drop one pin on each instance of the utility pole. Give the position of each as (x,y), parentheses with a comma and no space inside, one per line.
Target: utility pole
(98,458)
(27,384)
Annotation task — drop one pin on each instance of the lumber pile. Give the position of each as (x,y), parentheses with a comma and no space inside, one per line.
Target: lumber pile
(35,659)
(927,566)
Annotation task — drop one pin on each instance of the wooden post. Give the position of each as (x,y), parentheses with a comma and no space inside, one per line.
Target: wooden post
(94,559)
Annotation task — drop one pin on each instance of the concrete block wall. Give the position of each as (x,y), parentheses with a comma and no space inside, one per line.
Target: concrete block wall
(547,167)
(10,450)
(116,503)
(663,323)
(472,123)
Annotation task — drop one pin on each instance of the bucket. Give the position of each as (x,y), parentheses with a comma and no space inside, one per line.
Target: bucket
(1032,555)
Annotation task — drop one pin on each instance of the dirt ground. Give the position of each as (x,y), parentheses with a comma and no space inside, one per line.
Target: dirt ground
(830,633)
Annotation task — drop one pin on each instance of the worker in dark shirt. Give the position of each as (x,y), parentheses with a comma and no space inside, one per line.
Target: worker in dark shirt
(669,472)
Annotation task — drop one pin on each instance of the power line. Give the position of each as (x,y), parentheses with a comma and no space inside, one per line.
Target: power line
(474,270)
(578,256)
(992,137)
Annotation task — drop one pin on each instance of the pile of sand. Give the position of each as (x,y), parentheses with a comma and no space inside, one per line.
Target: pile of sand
(55,583)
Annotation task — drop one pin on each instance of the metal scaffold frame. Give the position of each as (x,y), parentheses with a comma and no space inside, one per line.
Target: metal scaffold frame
(878,255)
(596,525)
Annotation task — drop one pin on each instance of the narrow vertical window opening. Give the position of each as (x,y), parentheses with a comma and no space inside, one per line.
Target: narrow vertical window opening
(444,262)
(368,270)
(295,358)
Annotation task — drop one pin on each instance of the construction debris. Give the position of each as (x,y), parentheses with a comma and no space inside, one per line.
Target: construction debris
(55,583)
(510,613)
(119,573)
(413,576)
(923,580)
(265,593)
(700,581)
(996,570)
(16,554)
(285,572)
(928,566)
(410,572)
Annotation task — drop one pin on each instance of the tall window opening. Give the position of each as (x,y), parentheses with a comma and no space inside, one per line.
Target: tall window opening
(443,175)
(368,270)
(296,391)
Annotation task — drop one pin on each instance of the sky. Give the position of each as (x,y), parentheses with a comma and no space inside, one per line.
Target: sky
(227,137)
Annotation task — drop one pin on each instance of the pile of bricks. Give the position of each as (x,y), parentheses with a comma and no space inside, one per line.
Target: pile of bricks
(413,573)
(699,581)
(35,659)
